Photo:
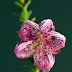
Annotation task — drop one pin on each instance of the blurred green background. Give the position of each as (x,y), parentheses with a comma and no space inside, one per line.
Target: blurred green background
(60,11)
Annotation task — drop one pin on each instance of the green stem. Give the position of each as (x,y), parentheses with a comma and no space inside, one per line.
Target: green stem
(37,70)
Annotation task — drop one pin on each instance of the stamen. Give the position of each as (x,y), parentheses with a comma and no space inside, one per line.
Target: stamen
(40,36)
(38,44)
(34,45)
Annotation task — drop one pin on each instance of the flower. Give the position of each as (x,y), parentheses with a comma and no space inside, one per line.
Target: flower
(36,40)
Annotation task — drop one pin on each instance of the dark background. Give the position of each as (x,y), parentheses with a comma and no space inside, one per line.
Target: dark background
(60,11)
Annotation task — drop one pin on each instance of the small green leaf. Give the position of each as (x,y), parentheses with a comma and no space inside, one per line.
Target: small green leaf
(33,19)
(27,4)
(29,14)
(21,20)
(24,14)
(19,6)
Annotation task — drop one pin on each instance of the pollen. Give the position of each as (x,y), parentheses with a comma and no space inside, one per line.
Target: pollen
(38,44)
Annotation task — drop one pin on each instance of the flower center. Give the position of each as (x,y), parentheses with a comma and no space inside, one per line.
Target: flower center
(38,44)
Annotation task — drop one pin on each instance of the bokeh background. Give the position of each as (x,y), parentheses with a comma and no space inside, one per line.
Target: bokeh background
(60,11)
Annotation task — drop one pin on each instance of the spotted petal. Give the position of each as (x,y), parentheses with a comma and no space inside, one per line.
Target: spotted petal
(27,31)
(23,50)
(47,25)
(54,46)
(44,61)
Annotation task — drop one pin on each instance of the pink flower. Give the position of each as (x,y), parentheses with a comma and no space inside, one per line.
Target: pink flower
(45,61)
(37,41)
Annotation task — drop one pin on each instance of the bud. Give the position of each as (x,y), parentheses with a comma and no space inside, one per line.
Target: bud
(22,2)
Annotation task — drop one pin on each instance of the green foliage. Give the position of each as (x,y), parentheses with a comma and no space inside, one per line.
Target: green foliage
(29,14)
(33,19)
(27,4)
(19,6)
(24,13)
(21,21)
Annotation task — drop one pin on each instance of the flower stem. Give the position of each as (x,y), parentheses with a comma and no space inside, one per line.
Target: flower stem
(37,70)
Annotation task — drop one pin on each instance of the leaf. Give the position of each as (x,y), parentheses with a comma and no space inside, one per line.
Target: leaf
(24,14)
(19,6)
(29,14)
(33,19)
(27,4)
(21,20)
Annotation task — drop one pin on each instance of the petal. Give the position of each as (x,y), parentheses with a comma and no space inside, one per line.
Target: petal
(44,61)
(47,25)
(32,24)
(27,30)
(54,46)
(25,36)
(23,50)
